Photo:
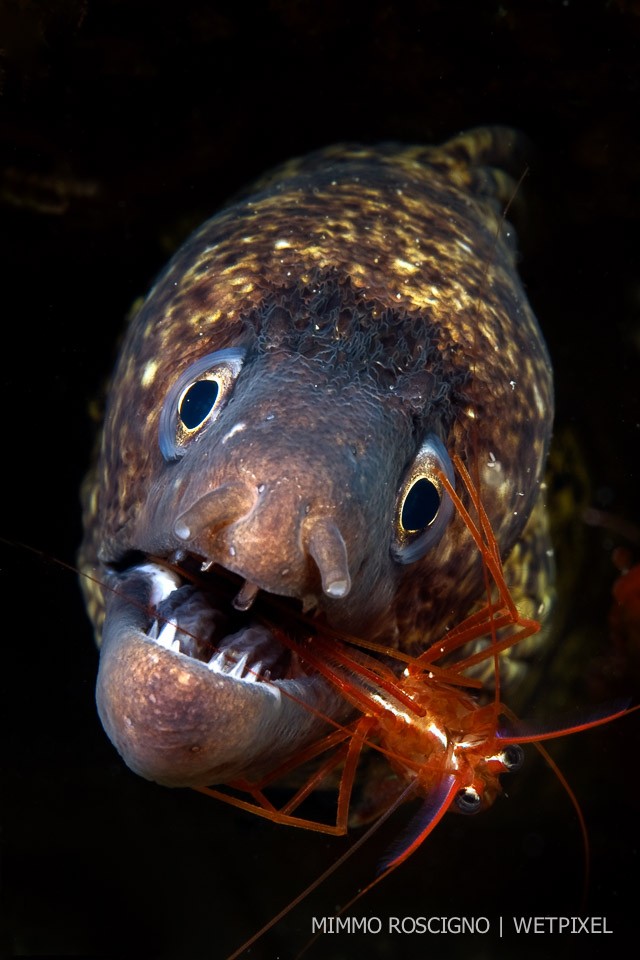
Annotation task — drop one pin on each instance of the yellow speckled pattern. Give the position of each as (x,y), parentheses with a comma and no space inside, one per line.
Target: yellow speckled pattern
(416,236)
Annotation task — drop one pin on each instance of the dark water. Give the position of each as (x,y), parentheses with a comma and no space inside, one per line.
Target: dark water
(121,126)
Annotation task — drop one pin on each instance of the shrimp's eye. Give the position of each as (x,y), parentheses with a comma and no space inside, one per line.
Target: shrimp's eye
(196,399)
(423,506)
(468,800)
(512,757)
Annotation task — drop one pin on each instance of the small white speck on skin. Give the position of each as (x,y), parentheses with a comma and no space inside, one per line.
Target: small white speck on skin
(512,384)
(282,244)
(237,428)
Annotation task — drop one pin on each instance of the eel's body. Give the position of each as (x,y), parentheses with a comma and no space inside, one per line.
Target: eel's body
(283,397)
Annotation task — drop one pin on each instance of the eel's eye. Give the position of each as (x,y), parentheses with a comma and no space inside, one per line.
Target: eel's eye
(196,399)
(468,800)
(423,506)
(420,506)
(197,402)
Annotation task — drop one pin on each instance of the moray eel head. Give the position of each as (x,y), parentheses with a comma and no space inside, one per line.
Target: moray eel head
(284,399)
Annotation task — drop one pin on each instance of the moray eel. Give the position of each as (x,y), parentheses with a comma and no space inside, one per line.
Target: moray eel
(283,398)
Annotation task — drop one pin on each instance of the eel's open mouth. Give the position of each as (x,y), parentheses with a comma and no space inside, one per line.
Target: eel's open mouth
(207,623)
(194,686)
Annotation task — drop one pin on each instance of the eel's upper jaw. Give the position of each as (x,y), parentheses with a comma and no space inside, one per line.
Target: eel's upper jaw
(190,698)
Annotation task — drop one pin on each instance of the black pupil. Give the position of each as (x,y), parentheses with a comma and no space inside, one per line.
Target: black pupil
(420,506)
(468,801)
(513,757)
(198,402)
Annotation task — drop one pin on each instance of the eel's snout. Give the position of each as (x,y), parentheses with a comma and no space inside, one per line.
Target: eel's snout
(268,536)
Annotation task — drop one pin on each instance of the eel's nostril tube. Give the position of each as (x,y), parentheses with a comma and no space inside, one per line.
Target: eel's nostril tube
(326,545)
(213,511)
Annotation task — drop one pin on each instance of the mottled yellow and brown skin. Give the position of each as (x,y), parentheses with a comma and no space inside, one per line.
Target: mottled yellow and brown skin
(375,293)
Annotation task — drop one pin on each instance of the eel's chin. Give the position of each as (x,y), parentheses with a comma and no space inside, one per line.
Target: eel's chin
(192,692)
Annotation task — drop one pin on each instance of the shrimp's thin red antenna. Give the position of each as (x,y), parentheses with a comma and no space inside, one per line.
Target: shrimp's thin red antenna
(535,736)
(432,812)
(586,849)
(409,790)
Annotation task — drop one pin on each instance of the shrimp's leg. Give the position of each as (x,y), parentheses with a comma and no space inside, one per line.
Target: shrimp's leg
(347,754)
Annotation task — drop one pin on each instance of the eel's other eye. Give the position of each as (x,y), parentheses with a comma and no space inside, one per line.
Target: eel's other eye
(420,506)
(196,399)
(423,506)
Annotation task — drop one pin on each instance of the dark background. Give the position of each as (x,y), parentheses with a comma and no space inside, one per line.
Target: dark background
(122,125)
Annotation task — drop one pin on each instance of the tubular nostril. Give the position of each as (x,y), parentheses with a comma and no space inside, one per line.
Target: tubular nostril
(220,508)
(327,547)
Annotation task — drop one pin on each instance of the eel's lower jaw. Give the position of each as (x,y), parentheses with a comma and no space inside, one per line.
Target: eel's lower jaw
(191,708)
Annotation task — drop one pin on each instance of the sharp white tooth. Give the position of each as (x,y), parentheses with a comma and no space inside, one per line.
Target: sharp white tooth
(153,632)
(175,646)
(253,675)
(166,635)
(217,662)
(206,565)
(238,669)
